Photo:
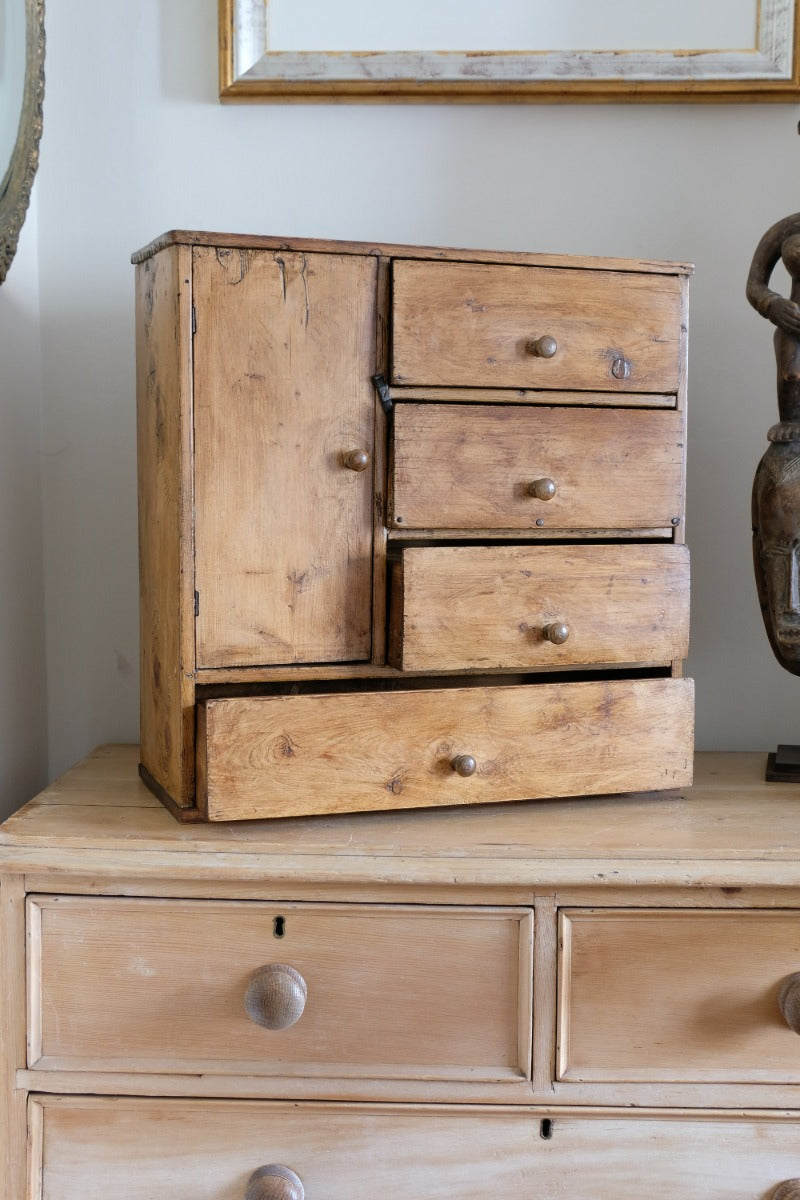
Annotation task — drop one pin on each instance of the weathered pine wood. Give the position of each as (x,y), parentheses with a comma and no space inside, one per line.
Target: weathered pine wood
(176,1147)
(166,569)
(467,324)
(549,396)
(284,755)
(284,353)
(470,466)
(12,1037)
(160,985)
(658,995)
(246,241)
(492,607)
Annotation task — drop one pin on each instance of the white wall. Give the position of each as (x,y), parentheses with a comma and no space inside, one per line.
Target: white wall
(23,696)
(136,143)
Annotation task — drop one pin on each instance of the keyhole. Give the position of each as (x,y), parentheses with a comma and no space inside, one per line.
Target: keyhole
(546,1129)
(280,926)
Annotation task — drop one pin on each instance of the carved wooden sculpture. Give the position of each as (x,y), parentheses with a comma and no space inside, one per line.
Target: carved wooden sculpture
(776,487)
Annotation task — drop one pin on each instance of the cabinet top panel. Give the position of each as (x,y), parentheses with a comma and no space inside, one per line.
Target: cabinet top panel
(729,829)
(183,237)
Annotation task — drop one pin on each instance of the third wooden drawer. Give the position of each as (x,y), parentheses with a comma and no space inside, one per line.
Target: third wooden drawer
(660,995)
(534,606)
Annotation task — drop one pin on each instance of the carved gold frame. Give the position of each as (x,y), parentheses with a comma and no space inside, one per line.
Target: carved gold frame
(249,70)
(15,188)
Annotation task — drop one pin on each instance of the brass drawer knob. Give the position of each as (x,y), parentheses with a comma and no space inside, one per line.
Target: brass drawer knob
(275,996)
(621,367)
(542,489)
(274,1183)
(543,347)
(356,460)
(788,1190)
(789,1003)
(556,632)
(464,764)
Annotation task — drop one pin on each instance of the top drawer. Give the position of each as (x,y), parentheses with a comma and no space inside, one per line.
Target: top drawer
(477,325)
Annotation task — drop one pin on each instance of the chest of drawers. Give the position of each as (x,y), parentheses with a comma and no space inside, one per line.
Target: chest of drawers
(571,998)
(411,526)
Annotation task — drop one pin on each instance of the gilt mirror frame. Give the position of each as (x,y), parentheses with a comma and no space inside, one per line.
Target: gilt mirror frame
(251,70)
(16,183)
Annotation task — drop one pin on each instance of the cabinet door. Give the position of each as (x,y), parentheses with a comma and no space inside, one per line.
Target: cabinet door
(284,352)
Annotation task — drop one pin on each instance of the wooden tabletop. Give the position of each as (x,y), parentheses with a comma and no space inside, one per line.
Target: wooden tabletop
(731,828)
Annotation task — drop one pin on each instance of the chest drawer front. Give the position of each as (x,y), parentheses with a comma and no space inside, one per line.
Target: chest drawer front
(144,984)
(476,325)
(538,606)
(434,746)
(479,466)
(210,1149)
(687,996)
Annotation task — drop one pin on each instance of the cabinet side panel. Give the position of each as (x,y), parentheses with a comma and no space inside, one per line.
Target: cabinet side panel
(12,1036)
(163,389)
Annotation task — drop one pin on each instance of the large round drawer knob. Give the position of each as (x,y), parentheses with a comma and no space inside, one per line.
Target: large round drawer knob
(356,460)
(543,347)
(542,489)
(789,1003)
(274,1183)
(788,1190)
(275,996)
(464,764)
(557,633)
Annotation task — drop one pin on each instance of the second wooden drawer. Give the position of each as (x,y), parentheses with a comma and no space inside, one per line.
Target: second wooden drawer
(161,985)
(456,607)
(677,996)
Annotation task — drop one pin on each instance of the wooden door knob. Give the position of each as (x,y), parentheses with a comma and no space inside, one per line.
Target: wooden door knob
(542,489)
(356,460)
(557,633)
(788,1190)
(789,1002)
(274,1183)
(543,347)
(275,996)
(464,764)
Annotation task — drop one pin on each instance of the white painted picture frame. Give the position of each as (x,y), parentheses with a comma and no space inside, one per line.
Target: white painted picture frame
(253,69)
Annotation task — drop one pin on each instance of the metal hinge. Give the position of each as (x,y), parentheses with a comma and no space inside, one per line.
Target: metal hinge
(382,388)
(194,320)
(197,604)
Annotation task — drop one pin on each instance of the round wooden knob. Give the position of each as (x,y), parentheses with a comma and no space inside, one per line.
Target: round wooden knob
(274,1183)
(542,489)
(557,633)
(788,1190)
(356,460)
(789,1001)
(275,996)
(464,764)
(543,347)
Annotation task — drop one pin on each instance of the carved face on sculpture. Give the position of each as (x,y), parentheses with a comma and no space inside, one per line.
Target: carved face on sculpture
(776,549)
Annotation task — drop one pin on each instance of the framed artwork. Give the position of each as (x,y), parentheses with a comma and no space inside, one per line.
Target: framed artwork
(509,50)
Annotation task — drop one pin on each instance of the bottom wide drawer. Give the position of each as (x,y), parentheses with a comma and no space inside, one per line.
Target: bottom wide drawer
(270,756)
(94,1148)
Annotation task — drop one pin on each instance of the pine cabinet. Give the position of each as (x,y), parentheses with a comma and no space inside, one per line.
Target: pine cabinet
(411,526)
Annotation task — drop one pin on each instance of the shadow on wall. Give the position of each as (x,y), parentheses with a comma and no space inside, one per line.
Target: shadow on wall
(23,691)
